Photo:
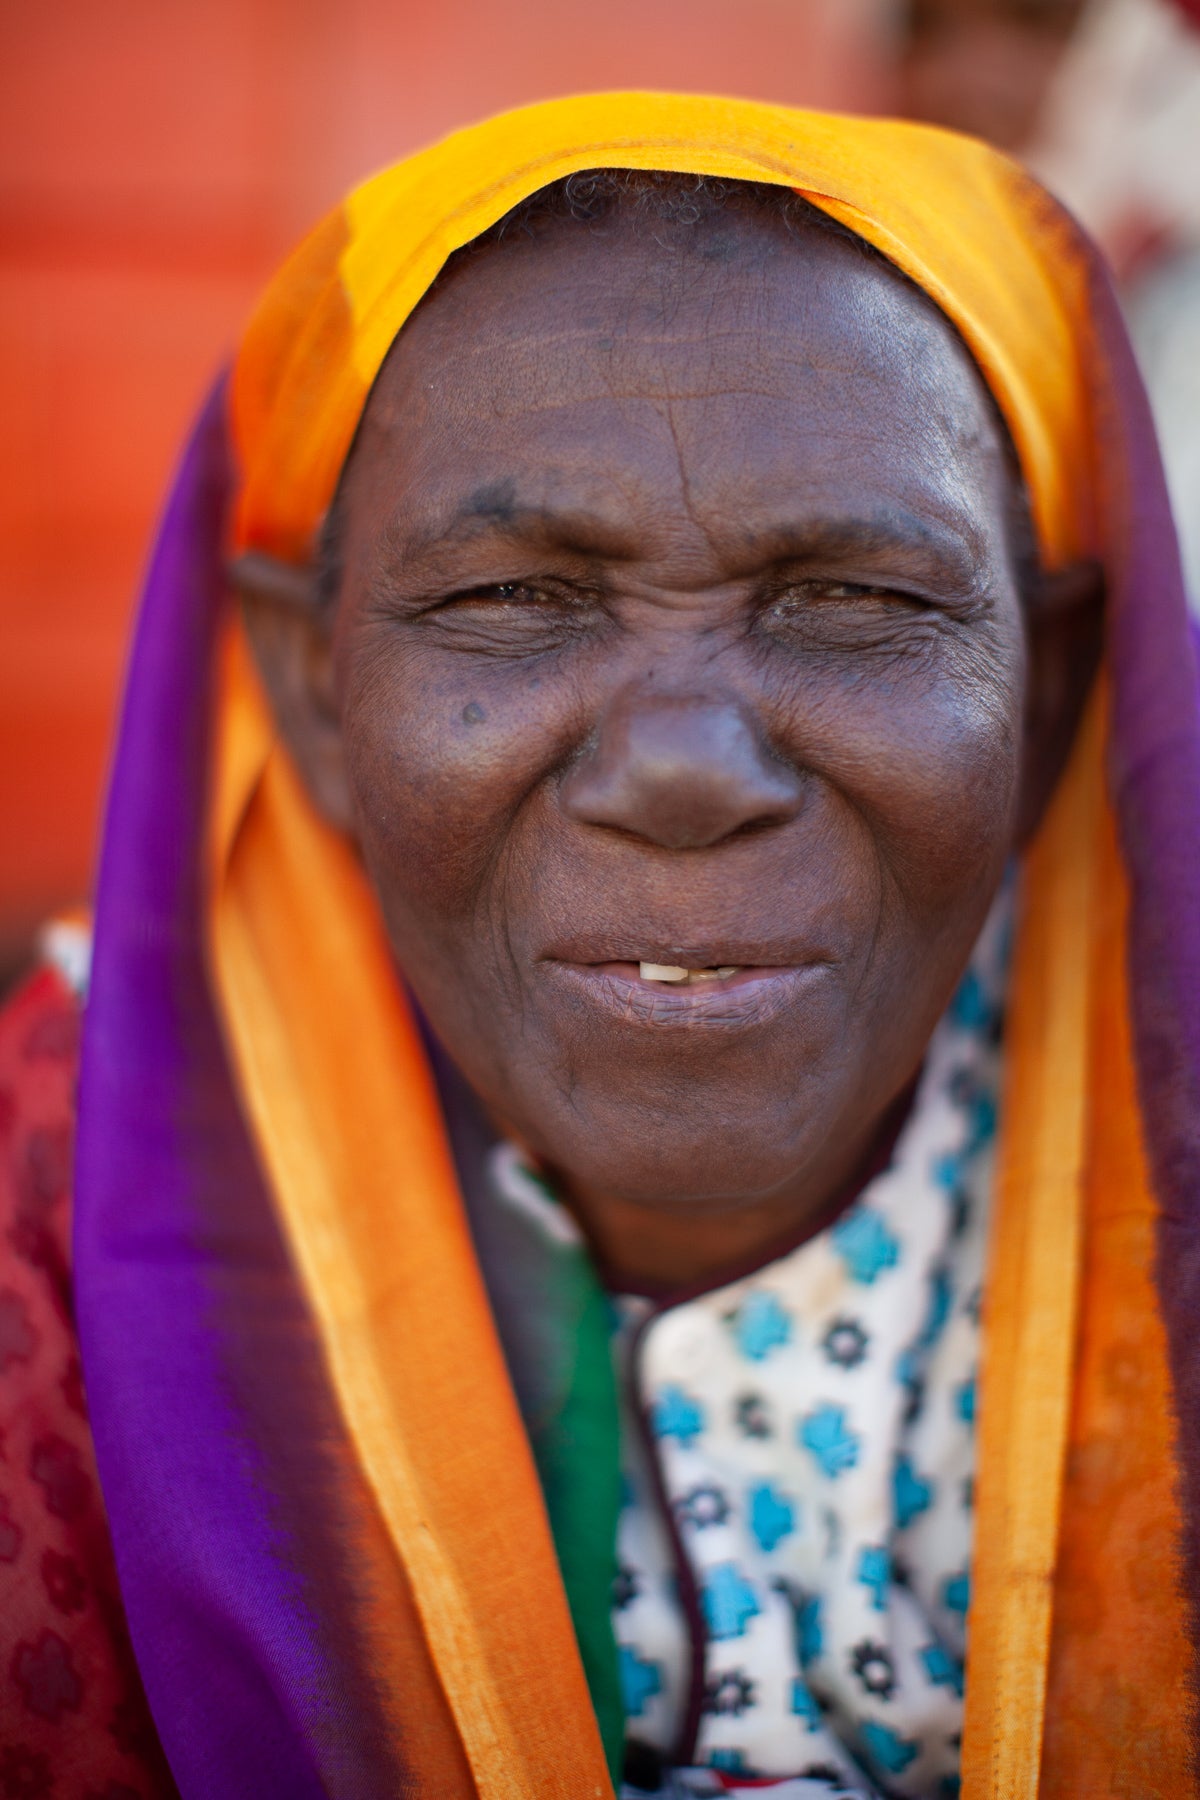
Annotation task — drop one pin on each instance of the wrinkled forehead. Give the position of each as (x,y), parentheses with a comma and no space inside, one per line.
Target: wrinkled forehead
(588,373)
(643,270)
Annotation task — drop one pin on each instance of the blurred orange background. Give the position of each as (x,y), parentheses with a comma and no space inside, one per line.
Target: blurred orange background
(157,158)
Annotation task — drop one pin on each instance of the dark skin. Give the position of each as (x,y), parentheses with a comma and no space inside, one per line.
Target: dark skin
(681,622)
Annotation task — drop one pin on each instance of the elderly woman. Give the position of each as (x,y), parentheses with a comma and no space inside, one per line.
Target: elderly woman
(616,987)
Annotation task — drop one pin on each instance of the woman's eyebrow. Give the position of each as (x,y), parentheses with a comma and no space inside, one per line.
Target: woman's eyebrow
(956,548)
(493,514)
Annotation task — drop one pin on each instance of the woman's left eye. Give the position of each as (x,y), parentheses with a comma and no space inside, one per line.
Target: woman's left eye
(811,598)
(822,614)
(845,590)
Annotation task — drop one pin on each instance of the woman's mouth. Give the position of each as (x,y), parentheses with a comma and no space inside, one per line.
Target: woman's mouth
(660,994)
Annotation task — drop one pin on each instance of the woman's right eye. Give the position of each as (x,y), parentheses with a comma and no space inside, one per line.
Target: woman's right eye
(520,618)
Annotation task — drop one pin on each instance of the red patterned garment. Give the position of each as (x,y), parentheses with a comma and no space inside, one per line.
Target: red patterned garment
(74,1724)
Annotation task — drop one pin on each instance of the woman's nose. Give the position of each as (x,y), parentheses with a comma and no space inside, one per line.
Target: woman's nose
(681,771)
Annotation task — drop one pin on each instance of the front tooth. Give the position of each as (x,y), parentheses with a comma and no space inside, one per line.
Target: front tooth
(661,972)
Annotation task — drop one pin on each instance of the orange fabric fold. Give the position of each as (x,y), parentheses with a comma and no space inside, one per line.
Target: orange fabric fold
(1122,1667)
(1032,1280)
(1079,1662)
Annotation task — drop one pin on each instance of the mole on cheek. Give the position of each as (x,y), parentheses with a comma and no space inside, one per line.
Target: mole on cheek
(473,713)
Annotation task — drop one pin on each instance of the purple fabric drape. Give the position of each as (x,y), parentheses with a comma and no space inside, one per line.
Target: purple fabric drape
(234,1505)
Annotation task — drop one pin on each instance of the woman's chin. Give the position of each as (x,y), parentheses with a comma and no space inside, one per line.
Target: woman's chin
(686,1168)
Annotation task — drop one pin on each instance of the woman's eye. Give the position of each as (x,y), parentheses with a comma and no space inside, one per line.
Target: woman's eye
(813,598)
(844,615)
(807,591)
(498,590)
(521,618)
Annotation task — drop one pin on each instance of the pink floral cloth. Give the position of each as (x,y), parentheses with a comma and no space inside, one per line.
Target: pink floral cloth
(74,1724)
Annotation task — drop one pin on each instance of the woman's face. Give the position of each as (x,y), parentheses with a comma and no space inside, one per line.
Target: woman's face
(678,625)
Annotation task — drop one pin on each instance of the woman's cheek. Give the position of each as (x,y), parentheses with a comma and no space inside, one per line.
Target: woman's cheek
(438,768)
(939,781)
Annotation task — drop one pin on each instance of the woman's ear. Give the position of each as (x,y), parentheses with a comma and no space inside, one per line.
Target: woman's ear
(290,630)
(1064,621)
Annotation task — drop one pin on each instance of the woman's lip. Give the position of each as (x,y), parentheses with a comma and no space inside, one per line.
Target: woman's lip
(752,996)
